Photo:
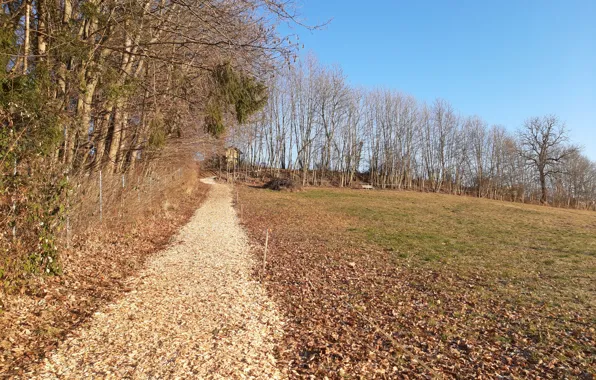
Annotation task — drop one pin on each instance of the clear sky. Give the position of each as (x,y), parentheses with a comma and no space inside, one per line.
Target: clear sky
(502,60)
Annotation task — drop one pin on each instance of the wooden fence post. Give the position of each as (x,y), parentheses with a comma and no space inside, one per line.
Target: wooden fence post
(67,213)
(100,197)
(265,253)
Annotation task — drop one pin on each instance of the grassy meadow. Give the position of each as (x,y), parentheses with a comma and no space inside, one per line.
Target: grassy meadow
(437,283)
(549,253)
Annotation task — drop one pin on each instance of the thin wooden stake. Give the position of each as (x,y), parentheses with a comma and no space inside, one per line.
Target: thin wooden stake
(121,212)
(14,226)
(67,214)
(100,198)
(265,253)
(14,205)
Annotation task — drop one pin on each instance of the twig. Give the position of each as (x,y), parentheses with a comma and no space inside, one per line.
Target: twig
(395,343)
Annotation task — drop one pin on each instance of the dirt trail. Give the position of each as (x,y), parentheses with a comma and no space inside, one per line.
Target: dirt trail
(194,312)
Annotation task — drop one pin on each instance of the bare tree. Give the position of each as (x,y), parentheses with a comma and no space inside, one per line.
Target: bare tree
(580,180)
(325,131)
(544,145)
(124,86)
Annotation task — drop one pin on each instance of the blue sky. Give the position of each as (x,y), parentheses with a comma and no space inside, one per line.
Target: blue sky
(502,60)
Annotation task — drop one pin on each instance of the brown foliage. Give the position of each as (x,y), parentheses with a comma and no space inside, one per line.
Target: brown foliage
(47,308)
(279,184)
(354,311)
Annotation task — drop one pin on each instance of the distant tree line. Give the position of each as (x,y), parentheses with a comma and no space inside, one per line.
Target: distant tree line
(90,85)
(321,129)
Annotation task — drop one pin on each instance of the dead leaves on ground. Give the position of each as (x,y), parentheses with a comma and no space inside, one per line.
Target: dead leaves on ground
(353,312)
(34,321)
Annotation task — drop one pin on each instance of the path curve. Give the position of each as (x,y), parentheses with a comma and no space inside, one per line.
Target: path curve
(195,312)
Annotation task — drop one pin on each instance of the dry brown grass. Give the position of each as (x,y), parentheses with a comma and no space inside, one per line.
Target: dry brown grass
(137,222)
(390,283)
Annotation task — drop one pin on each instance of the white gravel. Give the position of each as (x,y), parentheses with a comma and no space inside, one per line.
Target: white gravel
(195,312)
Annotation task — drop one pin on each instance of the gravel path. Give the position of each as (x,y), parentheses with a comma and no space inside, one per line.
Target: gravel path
(194,312)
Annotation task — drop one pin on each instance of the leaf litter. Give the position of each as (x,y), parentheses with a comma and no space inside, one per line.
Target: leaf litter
(352,312)
(194,312)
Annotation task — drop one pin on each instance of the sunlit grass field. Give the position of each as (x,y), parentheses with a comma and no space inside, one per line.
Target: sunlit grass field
(455,281)
(540,249)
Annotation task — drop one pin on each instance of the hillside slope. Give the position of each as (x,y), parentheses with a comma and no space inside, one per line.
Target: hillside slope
(404,283)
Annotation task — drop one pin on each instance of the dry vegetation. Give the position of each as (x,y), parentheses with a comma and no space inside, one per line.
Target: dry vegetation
(382,284)
(35,317)
(195,313)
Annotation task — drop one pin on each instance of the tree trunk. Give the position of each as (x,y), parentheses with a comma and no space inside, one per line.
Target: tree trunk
(543,190)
